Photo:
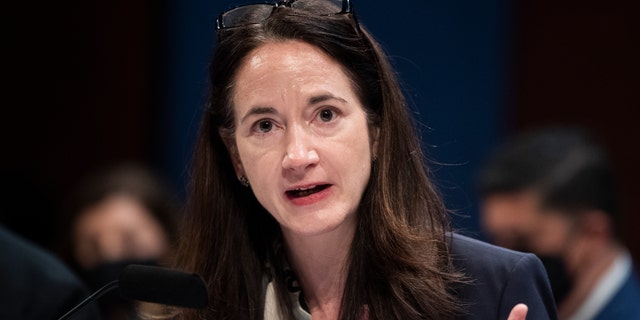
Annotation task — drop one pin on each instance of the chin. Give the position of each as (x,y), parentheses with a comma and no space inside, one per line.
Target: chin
(318,227)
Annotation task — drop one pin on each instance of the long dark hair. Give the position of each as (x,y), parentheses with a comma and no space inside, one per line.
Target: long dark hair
(399,264)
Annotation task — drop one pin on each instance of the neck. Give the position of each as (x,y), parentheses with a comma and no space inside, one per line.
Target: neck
(320,262)
(588,270)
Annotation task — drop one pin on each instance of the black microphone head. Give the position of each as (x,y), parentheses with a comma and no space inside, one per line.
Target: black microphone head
(164,286)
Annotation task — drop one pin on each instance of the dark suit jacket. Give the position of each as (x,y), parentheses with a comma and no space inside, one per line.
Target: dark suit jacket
(36,285)
(625,304)
(499,279)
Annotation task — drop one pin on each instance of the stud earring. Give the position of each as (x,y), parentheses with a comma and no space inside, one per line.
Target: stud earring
(244,181)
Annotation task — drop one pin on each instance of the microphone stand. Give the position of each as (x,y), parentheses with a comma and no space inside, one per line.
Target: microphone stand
(153,284)
(102,291)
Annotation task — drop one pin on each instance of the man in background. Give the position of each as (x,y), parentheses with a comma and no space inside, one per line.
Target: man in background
(551,192)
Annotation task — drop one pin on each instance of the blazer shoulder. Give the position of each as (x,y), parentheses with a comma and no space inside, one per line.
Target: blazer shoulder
(498,279)
(469,251)
(35,283)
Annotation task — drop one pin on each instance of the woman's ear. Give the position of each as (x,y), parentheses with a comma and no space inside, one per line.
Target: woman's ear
(230,143)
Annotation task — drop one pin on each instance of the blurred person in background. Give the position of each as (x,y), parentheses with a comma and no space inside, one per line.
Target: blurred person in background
(34,284)
(118,217)
(551,192)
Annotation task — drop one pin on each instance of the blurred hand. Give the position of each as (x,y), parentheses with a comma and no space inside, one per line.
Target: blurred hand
(519,312)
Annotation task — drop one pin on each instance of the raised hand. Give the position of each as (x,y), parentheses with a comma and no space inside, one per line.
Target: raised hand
(519,312)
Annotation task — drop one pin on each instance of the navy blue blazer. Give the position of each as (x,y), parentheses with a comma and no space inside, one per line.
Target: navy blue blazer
(34,284)
(498,280)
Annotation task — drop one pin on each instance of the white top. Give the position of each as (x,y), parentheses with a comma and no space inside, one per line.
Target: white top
(608,285)
(271,309)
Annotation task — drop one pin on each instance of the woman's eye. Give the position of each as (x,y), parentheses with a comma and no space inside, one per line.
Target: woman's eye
(326,115)
(264,126)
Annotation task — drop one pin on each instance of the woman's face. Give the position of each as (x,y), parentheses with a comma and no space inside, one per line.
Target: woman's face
(302,137)
(117,228)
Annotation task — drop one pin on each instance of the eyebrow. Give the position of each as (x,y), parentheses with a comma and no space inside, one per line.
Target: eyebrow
(323,98)
(258,111)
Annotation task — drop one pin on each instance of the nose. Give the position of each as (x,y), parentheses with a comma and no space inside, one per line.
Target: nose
(300,151)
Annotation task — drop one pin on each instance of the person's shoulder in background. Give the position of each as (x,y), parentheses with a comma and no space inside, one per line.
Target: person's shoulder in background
(498,279)
(35,284)
(624,304)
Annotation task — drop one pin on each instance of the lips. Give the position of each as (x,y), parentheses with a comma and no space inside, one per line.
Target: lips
(306,191)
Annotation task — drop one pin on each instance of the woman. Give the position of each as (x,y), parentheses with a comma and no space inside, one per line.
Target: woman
(116,217)
(310,196)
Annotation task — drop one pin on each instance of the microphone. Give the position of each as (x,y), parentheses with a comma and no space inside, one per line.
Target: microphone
(156,285)
(164,286)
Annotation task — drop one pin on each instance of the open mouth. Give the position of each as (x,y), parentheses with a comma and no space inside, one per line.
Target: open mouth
(303,192)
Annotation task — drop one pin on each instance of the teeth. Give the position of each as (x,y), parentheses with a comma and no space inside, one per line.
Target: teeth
(304,189)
